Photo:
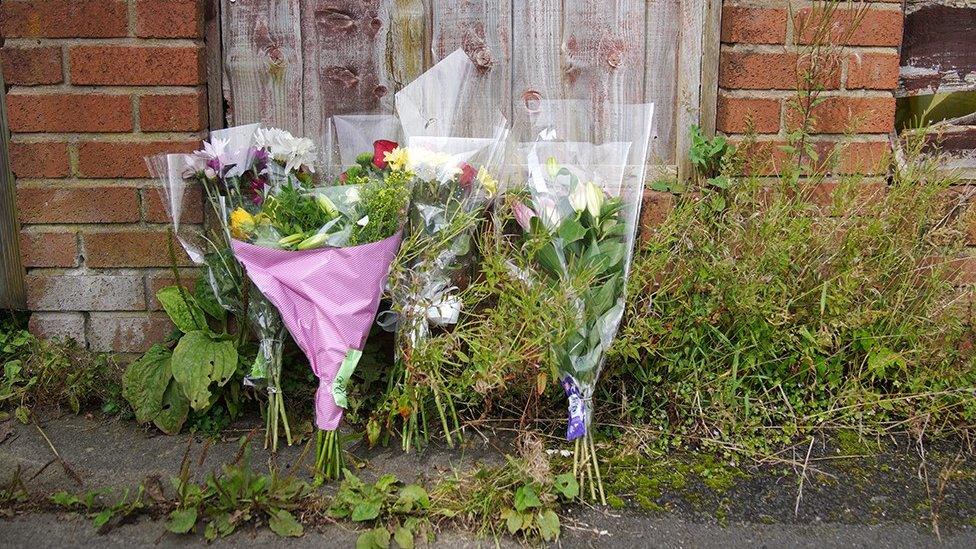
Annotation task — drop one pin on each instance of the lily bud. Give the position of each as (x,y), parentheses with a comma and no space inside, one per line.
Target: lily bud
(594,199)
(552,166)
(577,198)
(326,204)
(313,241)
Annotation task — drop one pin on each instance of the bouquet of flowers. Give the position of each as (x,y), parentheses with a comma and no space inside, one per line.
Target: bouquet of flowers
(238,169)
(576,210)
(321,256)
(318,255)
(452,158)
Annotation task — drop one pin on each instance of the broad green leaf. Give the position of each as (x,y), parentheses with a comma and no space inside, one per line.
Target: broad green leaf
(403,537)
(567,485)
(205,298)
(22,413)
(145,381)
(182,521)
(101,518)
(284,524)
(549,259)
(365,510)
(571,230)
(412,496)
(173,410)
(199,360)
(526,498)
(548,523)
(377,538)
(513,520)
(182,309)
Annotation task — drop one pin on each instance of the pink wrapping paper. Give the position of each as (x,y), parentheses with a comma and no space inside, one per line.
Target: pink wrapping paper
(328,299)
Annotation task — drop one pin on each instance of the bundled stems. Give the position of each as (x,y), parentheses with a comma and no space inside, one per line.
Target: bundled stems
(328,456)
(586,468)
(276,413)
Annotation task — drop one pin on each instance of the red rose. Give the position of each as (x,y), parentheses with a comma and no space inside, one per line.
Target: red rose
(380,148)
(467,175)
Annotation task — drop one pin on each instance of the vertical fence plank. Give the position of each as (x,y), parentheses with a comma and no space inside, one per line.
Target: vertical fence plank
(484,31)
(536,64)
(263,62)
(660,84)
(214,61)
(340,53)
(11,270)
(688,107)
(711,44)
(358,54)
(407,51)
(603,44)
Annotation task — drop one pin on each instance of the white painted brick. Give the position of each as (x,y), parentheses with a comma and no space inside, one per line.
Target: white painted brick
(126,332)
(85,292)
(58,326)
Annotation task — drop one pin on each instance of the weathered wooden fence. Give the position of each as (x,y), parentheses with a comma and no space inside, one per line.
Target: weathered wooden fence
(294,63)
(11,271)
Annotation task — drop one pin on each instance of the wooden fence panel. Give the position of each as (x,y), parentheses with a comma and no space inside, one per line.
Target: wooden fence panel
(603,45)
(660,86)
(11,270)
(262,48)
(483,30)
(536,59)
(294,63)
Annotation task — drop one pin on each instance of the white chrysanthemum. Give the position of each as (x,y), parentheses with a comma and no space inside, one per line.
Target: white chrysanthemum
(283,147)
(429,165)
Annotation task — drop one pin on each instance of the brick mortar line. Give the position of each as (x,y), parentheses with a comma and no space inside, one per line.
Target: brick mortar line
(745,47)
(67,43)
(82,183)
(859,138)
(740,93)
(132,16)
(104,227)
(67,88)
(802,4)
(143,137)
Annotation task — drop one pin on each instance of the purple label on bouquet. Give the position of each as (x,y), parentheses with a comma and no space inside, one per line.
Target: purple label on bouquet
(577,411)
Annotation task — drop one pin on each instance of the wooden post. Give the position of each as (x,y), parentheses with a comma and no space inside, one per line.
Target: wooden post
(215,65)
(11,269)
(711,44)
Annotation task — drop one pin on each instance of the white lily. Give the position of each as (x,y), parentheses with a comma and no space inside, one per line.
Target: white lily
(363,222)
(577,198)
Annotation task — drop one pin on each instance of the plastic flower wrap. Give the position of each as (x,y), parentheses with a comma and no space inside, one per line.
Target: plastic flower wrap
(575,198)
(453,153)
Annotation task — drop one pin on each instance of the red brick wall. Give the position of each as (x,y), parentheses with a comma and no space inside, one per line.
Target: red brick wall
(95,85)
(762,48)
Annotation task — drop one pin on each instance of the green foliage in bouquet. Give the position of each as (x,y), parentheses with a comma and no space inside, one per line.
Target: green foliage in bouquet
(586,248)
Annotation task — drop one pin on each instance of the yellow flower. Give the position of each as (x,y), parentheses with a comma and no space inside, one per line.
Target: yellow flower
(241,224)
(396,159)
(487,181)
